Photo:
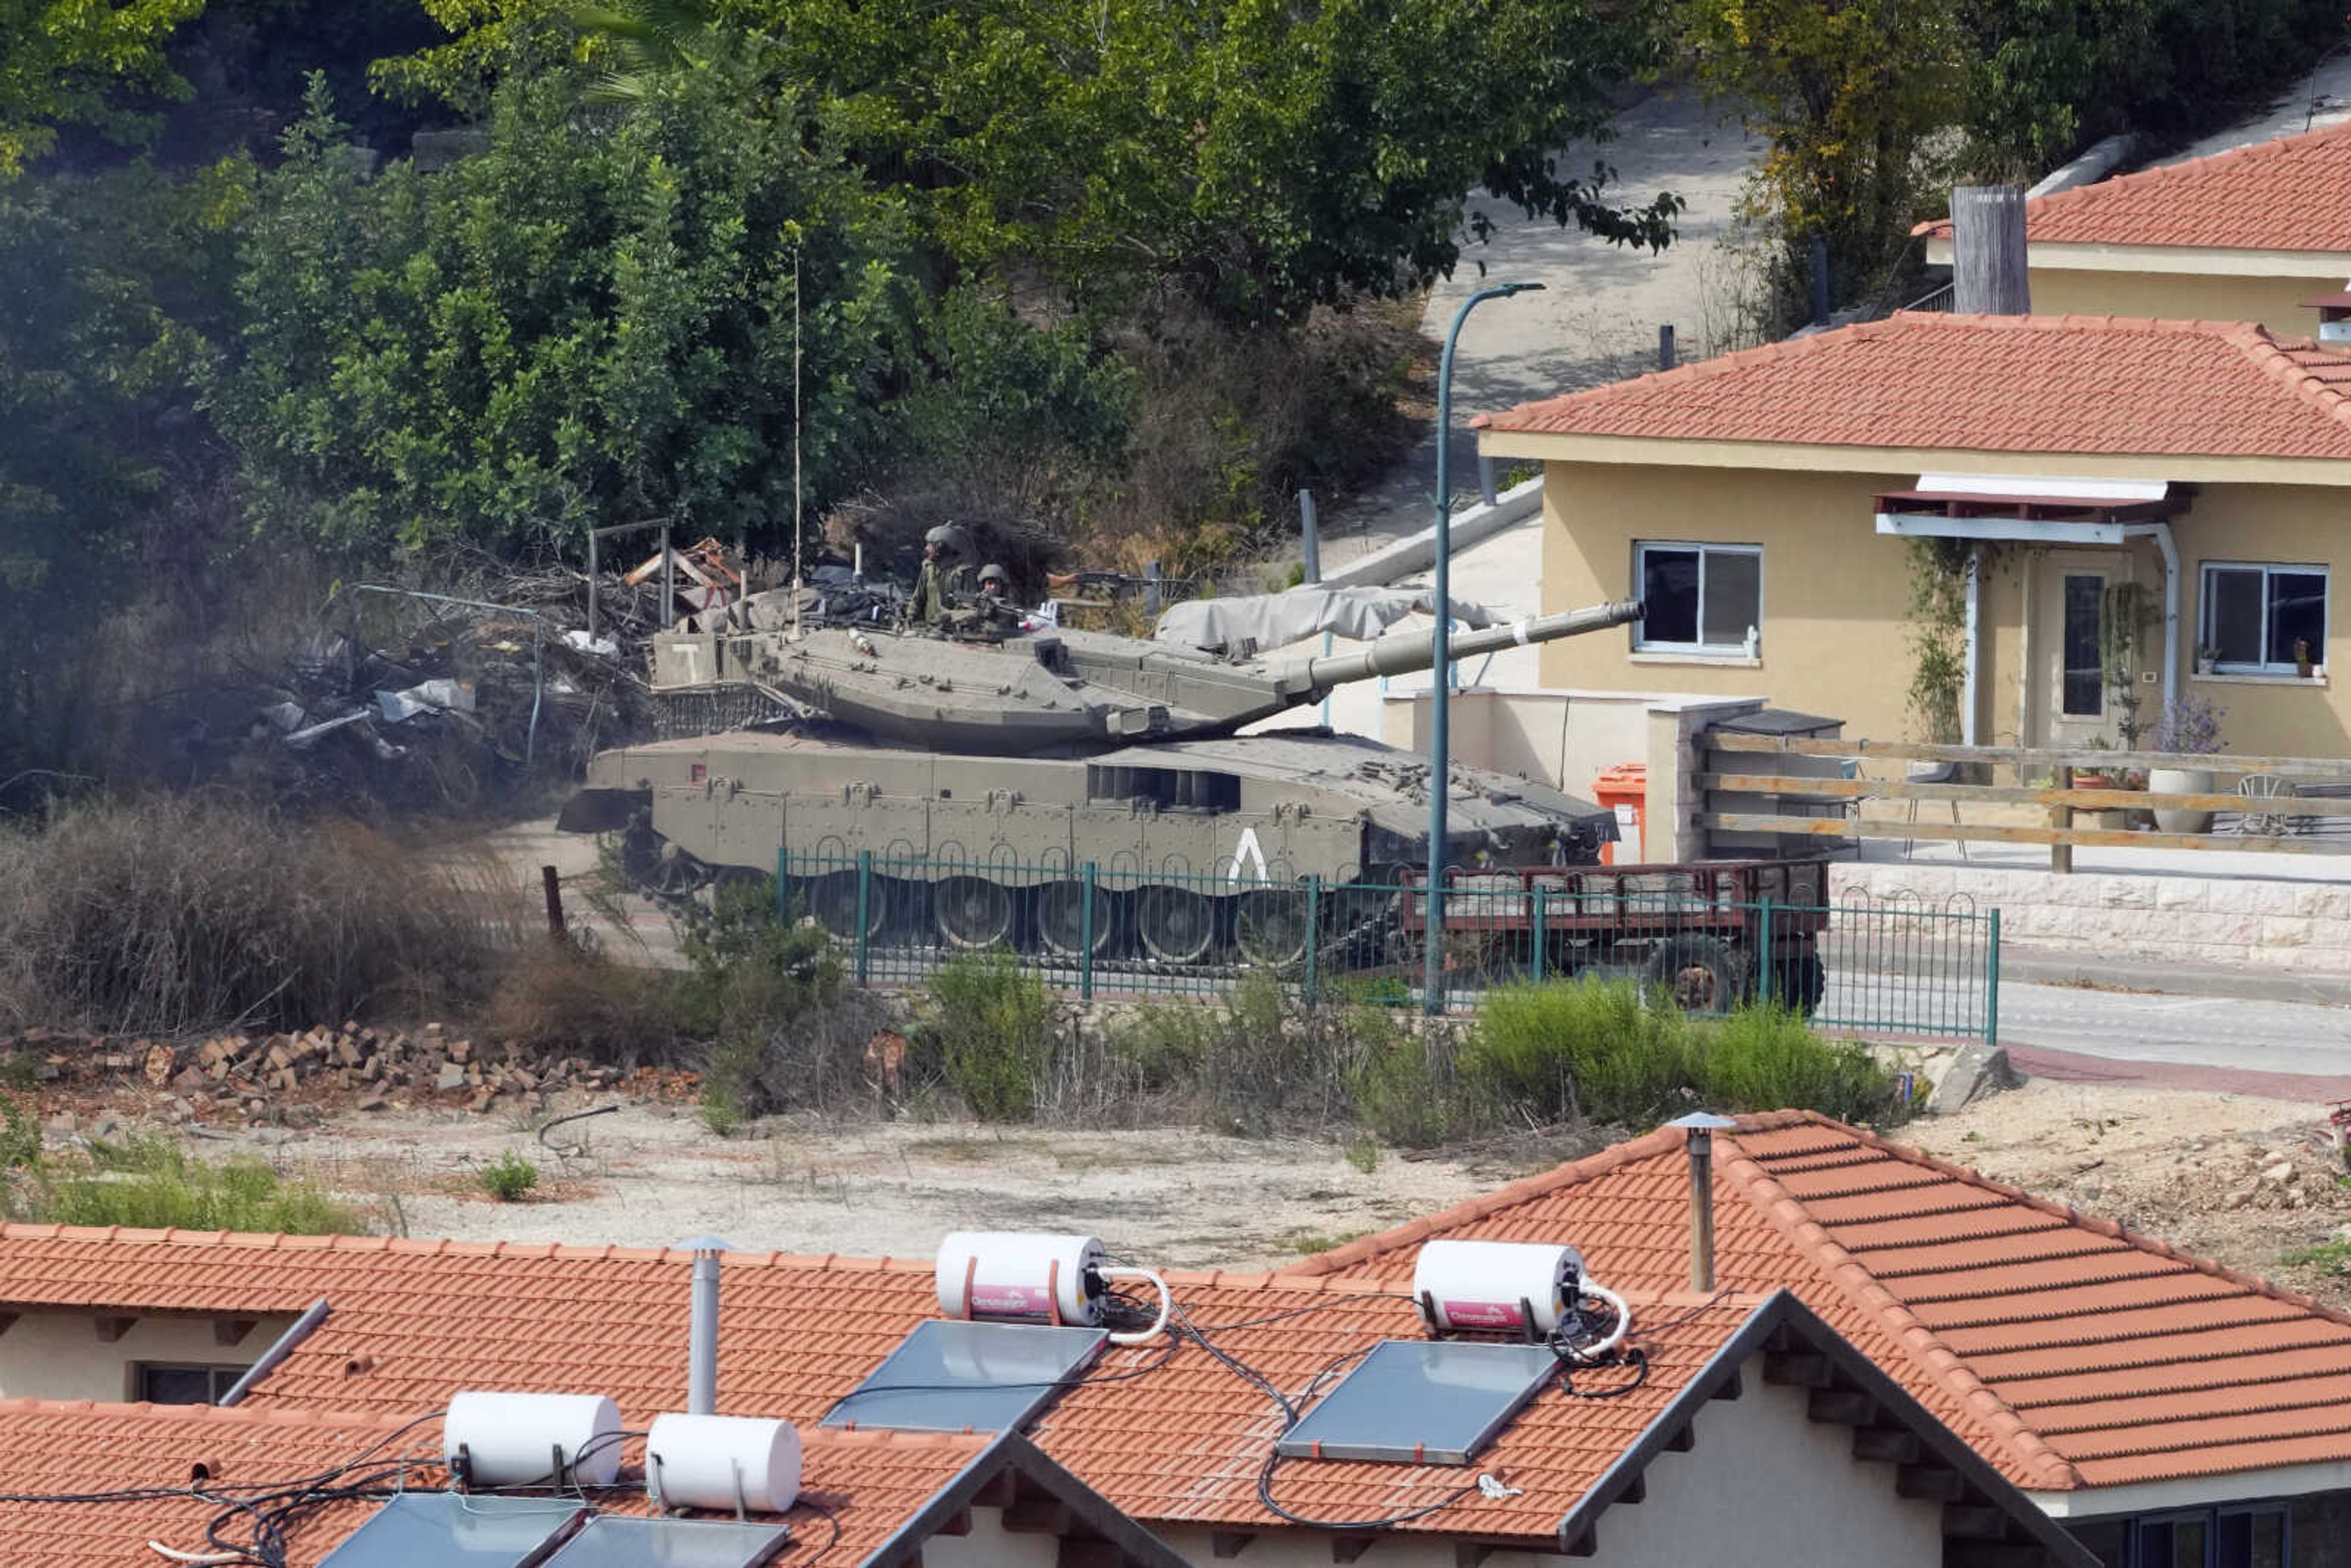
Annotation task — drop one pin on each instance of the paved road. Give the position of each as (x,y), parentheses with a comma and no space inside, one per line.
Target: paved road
(2298,1038)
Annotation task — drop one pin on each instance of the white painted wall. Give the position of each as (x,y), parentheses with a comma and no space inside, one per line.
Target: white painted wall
(990,1546)
(1765,1487)
(58,1355)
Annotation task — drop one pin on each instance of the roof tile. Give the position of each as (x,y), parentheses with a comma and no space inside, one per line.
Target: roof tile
(2043,384)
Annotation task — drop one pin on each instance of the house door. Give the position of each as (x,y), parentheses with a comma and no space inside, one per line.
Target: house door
(2071,706)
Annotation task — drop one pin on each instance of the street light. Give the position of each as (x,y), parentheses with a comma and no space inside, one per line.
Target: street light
(1440,751)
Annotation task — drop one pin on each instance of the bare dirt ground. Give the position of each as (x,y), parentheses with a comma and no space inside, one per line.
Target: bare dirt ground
(2234,1177)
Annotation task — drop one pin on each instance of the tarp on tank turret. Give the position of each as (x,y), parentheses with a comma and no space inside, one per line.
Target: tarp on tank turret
(1278,620)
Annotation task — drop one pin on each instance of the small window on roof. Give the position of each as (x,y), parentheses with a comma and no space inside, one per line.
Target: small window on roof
(949,1375)
(167,1382)
(1427,1402)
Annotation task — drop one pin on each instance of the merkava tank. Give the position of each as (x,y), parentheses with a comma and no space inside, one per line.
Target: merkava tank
(1055,789)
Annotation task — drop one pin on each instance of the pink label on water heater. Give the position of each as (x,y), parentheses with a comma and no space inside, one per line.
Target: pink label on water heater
(1483,1314)
(1010,1301)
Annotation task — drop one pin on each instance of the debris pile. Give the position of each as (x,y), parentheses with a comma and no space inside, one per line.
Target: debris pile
(244,1075)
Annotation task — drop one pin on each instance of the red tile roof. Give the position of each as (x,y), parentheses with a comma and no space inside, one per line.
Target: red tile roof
(2070,1351)
(2069,384)
(2292,193)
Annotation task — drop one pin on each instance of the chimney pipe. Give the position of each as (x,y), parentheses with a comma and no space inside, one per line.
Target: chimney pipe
(1698,1137)
(1988,252)
(702,1335)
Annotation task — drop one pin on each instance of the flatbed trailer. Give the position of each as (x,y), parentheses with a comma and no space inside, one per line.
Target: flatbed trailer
(1713,933)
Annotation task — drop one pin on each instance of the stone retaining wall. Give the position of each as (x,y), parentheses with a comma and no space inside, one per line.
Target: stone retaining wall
(2255,923)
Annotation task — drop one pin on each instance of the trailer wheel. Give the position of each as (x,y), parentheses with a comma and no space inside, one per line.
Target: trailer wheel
(1700,974)
(1804,981)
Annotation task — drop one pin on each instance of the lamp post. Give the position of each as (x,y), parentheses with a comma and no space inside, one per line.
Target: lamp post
(1440,751)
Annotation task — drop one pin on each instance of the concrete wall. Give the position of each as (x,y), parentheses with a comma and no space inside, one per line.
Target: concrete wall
(1835,639)
(2281,924)
(1765,1487)
(58,1355)
(2274,303)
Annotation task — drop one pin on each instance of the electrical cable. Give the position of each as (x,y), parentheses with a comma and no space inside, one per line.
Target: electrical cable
(828,1516)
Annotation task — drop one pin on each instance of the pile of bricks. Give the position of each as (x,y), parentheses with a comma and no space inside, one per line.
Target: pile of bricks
(254,1070)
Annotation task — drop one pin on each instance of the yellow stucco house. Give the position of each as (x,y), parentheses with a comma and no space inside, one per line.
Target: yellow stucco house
(2249,235)
(2193,477)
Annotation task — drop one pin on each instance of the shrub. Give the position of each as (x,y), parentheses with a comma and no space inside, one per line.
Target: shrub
(172,915)
(1765,1058)
(1405,1091)
(1563,1048)
(151,1183)
(508,1178)
(766,1004)
(989,1025)
(562,999)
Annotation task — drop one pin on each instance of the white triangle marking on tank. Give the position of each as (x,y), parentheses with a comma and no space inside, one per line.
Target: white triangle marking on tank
(1248,847)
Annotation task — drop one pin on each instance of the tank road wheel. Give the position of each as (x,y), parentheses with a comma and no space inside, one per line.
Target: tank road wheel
(674,874)
(1700,974)
(1270,926)
(832,900)
(1061,917)
(972,912)
(1175,924)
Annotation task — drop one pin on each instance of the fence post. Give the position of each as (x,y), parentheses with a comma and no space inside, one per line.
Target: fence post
(1991,985)
(865,920)
(1769,982)
(1538,960)
(783,872)
(1086,937)
(2061,855)
(1313,934)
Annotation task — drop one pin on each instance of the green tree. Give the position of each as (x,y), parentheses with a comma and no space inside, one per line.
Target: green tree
(1852,94)
(1255,159)
(592,319)
(61,60)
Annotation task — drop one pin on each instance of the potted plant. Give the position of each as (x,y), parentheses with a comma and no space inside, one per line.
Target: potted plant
(2303,666)
(2207,659)
(2189,727)
(2095,776)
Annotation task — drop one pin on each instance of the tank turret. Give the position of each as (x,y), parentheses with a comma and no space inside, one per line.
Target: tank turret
(1052,691)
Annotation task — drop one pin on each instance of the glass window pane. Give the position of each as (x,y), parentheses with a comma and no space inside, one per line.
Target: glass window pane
(1669,595)
(2232,614)
(2297,614)
(2187,1543)
(2232,1541)
(175,1384)
(1734,597)
(2084,683)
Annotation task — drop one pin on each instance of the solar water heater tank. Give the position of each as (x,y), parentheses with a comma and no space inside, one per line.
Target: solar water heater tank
(1490,1286)
(514,1439)
(717,1462)
(1020,1277)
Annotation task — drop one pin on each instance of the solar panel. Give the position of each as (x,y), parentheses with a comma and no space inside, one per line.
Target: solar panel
(450,1530)
(1431,1402)
(621,1541)
(952,1376)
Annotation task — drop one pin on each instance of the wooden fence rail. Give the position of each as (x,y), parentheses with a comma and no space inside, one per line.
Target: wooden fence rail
(1754,793)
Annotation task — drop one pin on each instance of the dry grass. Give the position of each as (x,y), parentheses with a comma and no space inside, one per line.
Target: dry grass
(168,915)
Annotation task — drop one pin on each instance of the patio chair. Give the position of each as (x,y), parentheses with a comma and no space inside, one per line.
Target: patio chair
(1934,773)
(2256,823)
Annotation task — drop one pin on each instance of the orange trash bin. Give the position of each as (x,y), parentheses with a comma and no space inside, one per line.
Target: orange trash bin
(1624,789)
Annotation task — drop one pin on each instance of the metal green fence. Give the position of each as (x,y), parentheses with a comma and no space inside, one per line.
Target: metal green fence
(1107,931)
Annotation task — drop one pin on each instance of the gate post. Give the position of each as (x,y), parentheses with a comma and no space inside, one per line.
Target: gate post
(1086,937)
(864,917)
(783,873)
(1991,984)
(1538,960)
(1313,934)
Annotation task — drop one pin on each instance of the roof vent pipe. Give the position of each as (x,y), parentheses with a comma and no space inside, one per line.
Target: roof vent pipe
(1698,1136)
(1988,252)
(702,1335)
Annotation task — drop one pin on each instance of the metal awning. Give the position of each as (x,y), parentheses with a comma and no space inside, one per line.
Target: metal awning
(2028,509)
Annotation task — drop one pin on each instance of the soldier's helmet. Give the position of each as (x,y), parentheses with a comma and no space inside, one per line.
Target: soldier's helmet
(993,578)
(949,540)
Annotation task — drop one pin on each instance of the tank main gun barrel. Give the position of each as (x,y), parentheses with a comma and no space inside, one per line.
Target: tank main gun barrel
(1403,655)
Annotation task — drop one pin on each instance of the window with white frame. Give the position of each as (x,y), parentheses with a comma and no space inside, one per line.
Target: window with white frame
(2256,616)
(1699,599)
